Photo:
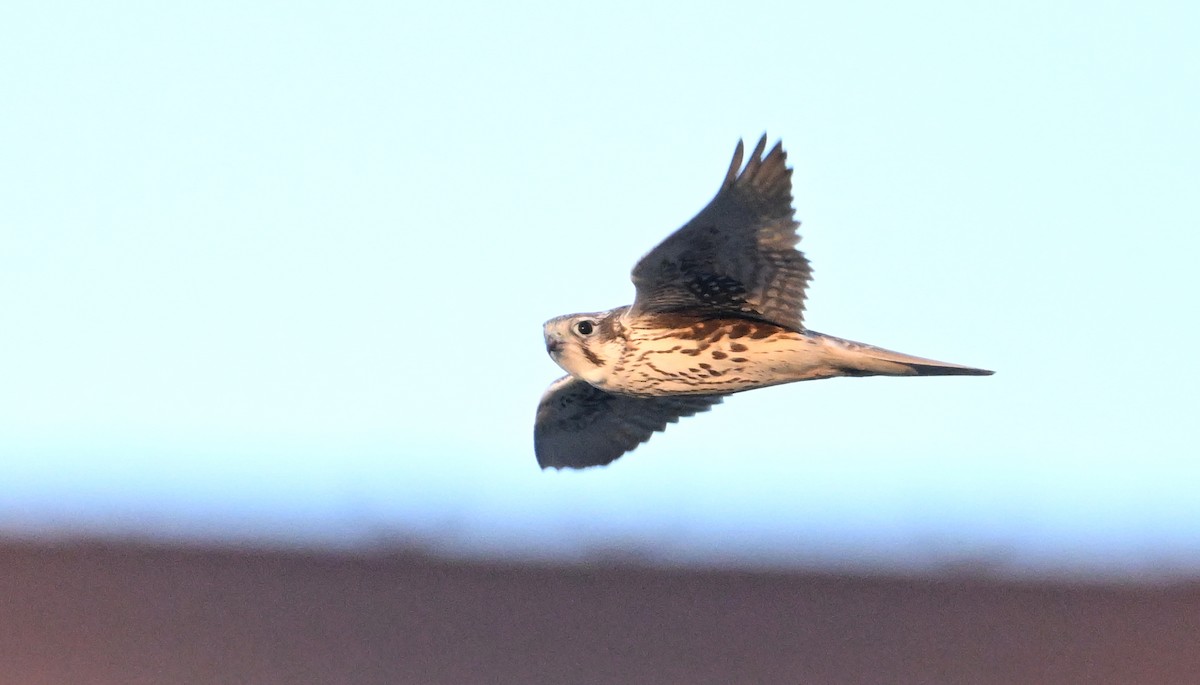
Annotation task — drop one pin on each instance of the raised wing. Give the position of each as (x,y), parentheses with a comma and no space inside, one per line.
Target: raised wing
(579,426)
(737,257)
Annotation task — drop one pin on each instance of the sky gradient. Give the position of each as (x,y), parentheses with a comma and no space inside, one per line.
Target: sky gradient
(277,273)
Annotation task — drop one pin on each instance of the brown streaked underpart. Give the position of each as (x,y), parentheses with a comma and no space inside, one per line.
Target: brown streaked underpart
(739,330)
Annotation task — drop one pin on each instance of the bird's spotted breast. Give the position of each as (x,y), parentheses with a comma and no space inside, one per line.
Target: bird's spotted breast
(681,356)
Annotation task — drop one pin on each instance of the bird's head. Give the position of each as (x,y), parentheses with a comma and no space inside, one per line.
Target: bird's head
(586,345)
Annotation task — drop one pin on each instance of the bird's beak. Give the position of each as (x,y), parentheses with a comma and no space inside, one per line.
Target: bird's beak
(553,344)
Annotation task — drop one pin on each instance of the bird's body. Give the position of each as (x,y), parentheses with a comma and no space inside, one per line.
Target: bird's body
(667,355)
(657,356)
(718,311)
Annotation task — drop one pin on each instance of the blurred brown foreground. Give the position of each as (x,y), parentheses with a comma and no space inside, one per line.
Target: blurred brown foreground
(133,614)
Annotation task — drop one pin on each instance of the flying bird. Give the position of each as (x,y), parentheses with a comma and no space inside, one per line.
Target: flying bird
(718,310)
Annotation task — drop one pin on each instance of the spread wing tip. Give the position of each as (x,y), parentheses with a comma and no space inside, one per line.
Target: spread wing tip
(769,173)
(735,165)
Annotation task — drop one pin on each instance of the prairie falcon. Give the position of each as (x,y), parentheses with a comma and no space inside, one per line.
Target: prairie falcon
(718,310)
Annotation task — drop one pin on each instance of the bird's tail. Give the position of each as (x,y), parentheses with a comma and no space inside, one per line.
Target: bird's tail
(860,359)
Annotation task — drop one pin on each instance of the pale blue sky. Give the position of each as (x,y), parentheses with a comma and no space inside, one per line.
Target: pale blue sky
(278,272)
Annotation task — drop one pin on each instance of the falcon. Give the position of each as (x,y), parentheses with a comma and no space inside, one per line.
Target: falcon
(718,310)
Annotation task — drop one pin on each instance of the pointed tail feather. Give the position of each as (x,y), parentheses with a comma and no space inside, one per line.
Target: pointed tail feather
(944,369)
(860,359)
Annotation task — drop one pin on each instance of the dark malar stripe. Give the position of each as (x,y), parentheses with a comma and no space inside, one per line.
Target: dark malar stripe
(592,357)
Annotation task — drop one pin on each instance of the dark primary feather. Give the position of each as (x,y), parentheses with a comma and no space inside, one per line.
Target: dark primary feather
(737,257)
(579,426)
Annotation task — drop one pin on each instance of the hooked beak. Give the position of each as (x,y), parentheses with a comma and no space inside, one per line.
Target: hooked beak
(553,345)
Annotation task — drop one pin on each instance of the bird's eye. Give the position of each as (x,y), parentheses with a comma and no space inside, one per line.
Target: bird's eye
(585,327)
